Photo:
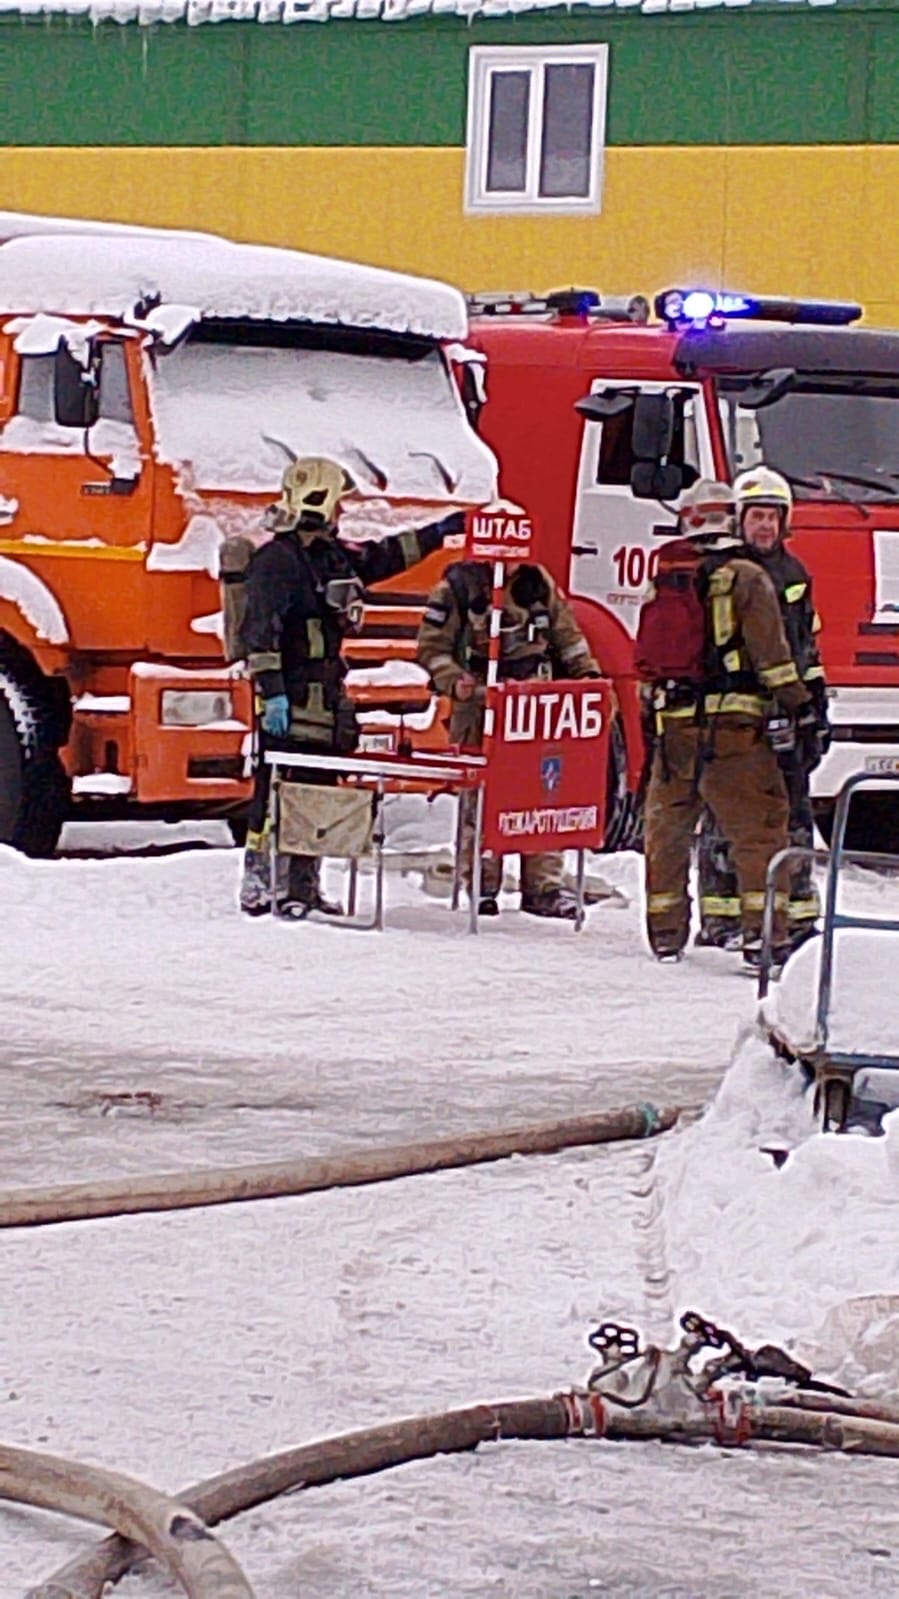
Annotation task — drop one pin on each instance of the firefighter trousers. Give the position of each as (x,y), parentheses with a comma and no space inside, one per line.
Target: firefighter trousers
(719,900)
(728,766)
(539,873)
(297,875)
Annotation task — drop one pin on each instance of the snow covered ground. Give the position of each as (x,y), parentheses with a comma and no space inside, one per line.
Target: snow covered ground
(146,1027)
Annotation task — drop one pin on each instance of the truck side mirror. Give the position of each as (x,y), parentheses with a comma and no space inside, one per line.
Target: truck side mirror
(653,429)
(767,387)
(598,407)
(75,393)
(653,476)
(651,480)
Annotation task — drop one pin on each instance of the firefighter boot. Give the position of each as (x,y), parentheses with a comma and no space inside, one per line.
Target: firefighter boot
(752,957)
(719,932)
(256,878)
(304,895)
(667,946)
(556,902)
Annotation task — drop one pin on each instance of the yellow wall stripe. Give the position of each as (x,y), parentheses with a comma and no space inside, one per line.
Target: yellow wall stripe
(787,220)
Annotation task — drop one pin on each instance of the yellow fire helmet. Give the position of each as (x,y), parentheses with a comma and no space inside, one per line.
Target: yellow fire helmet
(312,487)
(763,486)
(706,510)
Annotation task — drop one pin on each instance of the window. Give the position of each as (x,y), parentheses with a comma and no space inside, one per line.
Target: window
(836,439)
(536,127)
(616,457)
(36,386)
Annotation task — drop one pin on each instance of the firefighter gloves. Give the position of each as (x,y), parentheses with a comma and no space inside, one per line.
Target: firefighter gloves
(449,525)
(813,737)
(467,687)
(276,715)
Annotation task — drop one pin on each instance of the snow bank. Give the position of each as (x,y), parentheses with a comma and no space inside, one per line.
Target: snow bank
(773,1252)
(113,274)
(864,1011)
(147,1028)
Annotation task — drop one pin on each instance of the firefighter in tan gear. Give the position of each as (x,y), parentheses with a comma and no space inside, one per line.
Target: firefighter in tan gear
(764,507)
(715,668)
(539,638)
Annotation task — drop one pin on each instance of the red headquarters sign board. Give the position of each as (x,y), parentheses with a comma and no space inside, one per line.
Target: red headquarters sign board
(545,783)
(498,533)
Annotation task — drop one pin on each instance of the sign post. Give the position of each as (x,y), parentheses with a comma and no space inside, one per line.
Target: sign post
(546,742)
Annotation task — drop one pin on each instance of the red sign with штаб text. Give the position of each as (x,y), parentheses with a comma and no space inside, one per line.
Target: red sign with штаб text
(547,760)
(498,533)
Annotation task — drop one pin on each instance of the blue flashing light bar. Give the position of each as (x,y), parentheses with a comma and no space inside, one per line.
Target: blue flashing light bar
(707,308)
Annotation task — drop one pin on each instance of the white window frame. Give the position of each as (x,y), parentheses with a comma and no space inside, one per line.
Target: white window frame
(483,61)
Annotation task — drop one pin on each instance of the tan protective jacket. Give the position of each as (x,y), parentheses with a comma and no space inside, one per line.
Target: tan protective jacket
(539,636)
(746,615)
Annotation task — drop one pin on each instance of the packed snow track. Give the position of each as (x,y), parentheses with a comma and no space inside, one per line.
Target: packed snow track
(147,1028)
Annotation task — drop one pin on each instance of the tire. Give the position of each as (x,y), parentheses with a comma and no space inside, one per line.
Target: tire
(622,821)
(873,822)
(34,790)
(835,1098)
(238,827)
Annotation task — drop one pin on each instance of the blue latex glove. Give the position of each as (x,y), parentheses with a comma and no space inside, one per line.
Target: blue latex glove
(276,715)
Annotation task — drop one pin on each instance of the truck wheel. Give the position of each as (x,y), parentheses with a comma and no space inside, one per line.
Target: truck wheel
(237,826)
(834,1100)
(34,789)
(873,822)
(622,823)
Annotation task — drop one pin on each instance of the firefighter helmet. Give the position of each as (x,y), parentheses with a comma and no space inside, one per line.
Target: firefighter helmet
(312,488)
(762,486)
(706,509)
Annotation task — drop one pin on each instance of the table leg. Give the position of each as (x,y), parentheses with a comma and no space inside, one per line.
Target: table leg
(579,882)
(274,822)
(475,894)
(379,858)
(457,850)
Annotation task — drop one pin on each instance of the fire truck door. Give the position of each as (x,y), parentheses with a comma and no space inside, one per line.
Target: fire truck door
(84,494)
(614,546)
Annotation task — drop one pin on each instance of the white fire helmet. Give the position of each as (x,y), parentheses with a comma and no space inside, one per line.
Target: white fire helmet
(706,510)
(763,486)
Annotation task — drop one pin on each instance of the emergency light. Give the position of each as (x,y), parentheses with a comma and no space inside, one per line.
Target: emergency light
(701,308)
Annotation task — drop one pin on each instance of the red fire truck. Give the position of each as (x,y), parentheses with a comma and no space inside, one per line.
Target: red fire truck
(601,414)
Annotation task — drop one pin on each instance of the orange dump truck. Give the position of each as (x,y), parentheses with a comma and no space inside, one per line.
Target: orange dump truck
(151,388)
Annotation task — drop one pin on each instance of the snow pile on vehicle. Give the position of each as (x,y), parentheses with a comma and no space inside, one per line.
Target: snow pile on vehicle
(30,595)
(772,1251)
(127,275)
(397,425)
(864,1009)
(18,224)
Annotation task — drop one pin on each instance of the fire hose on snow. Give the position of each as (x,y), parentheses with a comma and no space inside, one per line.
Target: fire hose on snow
(170,1530)
(230,1185)
(737,1398)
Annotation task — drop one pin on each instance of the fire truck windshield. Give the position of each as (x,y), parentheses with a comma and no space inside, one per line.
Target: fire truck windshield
(832,439)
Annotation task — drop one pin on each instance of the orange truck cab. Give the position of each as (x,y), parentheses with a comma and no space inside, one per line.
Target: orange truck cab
(601,414)
(152,388)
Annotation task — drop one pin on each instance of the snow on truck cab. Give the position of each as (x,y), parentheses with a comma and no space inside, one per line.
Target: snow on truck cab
(152,386)
(600,416)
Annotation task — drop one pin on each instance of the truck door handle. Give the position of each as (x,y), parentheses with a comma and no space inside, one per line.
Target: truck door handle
(584,549)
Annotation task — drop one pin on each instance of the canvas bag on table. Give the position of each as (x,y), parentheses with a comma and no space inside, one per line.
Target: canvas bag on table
(324,821)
